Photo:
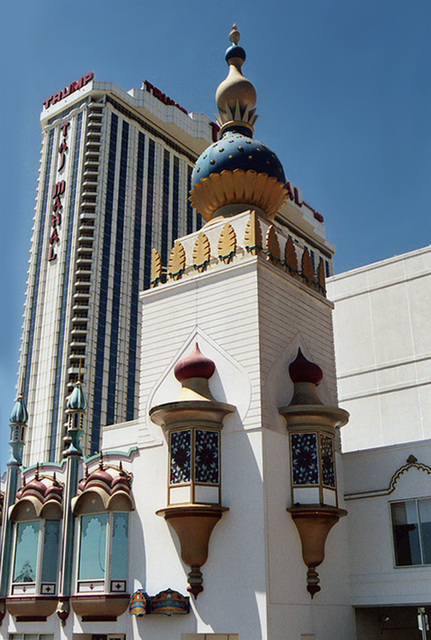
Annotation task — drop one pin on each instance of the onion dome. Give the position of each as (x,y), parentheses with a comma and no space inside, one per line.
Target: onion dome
(19,415)
(105,488)
(237,170)
(77,400)
(41,497)
(306,376)
(302,370)
(196,365)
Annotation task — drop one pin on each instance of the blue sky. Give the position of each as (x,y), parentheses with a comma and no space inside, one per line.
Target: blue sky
(344,99)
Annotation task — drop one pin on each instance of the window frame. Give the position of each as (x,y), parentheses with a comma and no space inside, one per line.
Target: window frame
(106,584)
(38,587)
(416,502)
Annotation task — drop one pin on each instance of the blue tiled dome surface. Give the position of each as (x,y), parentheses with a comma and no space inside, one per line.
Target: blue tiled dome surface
(236,151)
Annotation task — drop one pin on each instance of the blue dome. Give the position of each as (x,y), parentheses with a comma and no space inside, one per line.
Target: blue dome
(237,151)
(19,413)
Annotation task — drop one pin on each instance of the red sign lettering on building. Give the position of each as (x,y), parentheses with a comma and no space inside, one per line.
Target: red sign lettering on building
(67,91)
(59,190)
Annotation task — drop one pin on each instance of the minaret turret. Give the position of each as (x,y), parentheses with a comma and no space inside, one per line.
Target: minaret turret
(18,425)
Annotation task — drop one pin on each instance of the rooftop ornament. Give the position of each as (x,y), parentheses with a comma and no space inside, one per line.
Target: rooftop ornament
(237,172)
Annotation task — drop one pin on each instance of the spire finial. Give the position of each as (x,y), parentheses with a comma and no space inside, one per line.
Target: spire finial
(235,35)
(236,96)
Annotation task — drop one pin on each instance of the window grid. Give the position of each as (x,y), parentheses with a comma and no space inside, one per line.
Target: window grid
(133,327)
(149,215)
(104,284)
(116,294)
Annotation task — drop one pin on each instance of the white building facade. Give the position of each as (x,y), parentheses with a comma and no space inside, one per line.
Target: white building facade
(228,484)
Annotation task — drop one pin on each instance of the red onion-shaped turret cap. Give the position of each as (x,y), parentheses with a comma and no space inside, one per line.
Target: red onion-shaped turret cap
(196,365)
(302,370)
(34,486)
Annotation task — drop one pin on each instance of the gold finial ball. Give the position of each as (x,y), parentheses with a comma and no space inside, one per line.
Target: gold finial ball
(235,35)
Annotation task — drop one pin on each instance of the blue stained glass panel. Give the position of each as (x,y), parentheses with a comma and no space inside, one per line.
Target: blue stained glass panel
(180,456)
(207,456)
(305,468)
(327,457)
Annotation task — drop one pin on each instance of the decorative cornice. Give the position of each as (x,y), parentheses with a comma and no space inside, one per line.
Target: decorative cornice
(221,243)
(412,463)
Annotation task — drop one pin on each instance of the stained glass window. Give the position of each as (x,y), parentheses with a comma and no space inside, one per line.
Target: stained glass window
(180,456)
(305,467)
(51,543)
(26,553)
(92,555)
(207,456)
(120,546)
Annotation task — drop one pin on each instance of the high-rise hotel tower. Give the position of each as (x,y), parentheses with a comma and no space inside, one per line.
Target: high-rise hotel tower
(114,178)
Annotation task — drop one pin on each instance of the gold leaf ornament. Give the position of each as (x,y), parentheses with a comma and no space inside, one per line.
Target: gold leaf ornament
(272,244)
(156,268)
(290,256)
(321,280)
(253,235)
(307,267)
(201,252)
(177,261)
(227,243)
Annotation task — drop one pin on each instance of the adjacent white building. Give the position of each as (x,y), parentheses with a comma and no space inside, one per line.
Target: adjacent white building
(383,355)
(383,350)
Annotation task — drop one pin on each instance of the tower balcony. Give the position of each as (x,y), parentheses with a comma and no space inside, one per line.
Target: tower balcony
(88,215)
(77,369)
(89,197)
(79,332)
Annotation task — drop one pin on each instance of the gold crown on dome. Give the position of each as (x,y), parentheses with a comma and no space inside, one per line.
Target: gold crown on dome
(236,96)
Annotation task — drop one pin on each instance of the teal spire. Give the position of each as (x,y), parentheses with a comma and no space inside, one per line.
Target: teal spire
(77,400)
(76,407)
(18,425)
(19,413)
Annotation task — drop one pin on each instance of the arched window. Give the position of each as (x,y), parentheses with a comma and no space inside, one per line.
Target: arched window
(37,515)
(103,552)
(102,510)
